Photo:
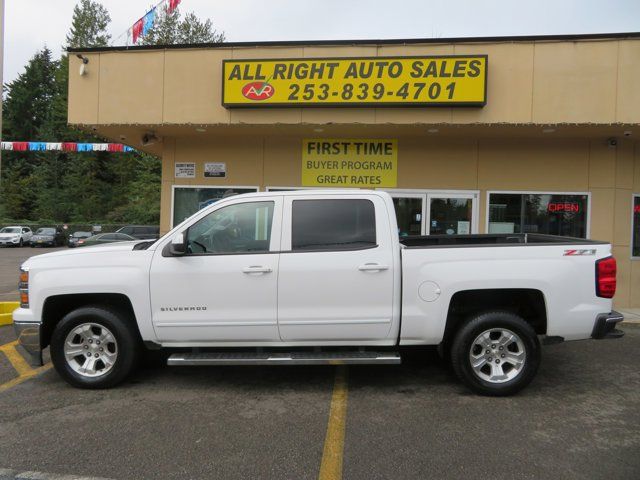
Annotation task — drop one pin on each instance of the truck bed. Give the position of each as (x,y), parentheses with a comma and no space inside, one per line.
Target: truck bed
(498,239)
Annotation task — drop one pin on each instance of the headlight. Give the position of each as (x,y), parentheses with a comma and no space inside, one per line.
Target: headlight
(23,287)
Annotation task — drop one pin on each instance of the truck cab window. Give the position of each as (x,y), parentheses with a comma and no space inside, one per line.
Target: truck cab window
(240,228)
(333,224)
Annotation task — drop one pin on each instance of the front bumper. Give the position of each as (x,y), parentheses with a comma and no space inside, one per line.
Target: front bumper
(605,326)
(29,334)
(13,241)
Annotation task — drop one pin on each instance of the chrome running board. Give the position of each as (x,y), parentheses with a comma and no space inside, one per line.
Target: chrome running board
(284,358)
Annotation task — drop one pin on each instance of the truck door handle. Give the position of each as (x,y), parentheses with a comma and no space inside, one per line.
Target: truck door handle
(256,269)
(372,267)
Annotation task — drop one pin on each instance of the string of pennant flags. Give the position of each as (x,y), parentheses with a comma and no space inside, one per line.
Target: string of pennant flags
(145,23)
(64,147)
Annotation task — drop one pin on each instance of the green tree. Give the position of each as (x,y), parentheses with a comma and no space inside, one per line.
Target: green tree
(28,103)
(79,187)
(172,29)
(89,25)
(27,112)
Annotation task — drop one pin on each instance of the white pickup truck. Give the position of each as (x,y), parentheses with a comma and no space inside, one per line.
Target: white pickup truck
(309,277)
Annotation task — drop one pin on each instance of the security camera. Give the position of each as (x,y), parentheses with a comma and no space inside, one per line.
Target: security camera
(612,142)
(148,139)
(627,133)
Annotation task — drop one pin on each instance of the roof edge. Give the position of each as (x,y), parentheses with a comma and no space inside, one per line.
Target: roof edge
(406,41)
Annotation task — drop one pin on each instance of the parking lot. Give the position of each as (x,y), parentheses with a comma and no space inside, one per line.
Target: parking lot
(579,419)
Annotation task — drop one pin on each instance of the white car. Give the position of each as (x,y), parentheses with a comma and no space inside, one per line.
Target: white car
(307,278)
(15,236)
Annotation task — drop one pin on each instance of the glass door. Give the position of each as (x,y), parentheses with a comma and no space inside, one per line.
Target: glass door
(410,213)
(451,214)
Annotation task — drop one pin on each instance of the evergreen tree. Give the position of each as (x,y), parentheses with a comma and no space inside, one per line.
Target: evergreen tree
(172,29)
(89,25)
(79,187)
(28,103)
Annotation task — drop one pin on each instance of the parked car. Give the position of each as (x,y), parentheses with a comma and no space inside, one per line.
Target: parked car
(143,232)
(104,238)
(48,237)
(317,278)
(15,236)
(75,237)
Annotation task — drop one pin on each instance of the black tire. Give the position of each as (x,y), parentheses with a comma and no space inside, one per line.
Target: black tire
(127,339)
(21,243)
(463,343)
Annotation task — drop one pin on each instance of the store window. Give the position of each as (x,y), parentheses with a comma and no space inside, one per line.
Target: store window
(635,244)
(333,224)
(188,200)
(552,214)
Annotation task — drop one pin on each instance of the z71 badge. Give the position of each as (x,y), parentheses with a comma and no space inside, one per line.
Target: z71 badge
(572,253)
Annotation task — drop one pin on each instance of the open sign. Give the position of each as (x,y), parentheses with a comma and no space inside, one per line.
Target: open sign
(563,207)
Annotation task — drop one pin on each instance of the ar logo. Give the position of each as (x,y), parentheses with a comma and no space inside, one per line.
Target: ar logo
(258,91)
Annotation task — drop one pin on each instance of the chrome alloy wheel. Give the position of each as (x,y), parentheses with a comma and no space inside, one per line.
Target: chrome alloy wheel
(497,355)
(90,350)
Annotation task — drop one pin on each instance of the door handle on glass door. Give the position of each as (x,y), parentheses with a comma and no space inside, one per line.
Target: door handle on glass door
(372,267)
(256,269)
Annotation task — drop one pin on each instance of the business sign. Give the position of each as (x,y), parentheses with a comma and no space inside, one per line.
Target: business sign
(571,207)
(355,82)
(349,163)
(215,170)
(185,170)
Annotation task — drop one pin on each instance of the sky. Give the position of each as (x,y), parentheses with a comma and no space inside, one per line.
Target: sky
(32,24)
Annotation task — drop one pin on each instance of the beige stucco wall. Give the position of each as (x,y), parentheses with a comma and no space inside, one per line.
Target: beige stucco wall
(537,82)
(610,175)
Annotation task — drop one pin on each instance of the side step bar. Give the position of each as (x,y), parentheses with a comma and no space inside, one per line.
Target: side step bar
(284,358)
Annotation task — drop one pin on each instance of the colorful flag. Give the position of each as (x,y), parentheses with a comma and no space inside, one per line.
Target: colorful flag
(149,19)
(137,30)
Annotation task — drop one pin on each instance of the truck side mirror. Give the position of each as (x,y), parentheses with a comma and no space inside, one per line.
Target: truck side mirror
(178,245)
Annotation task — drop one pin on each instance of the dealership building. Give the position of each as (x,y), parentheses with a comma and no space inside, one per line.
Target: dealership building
(469,135)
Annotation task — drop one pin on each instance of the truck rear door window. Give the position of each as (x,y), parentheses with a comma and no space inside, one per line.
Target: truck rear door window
(333,224)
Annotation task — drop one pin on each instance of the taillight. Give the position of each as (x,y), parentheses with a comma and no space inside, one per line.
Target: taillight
(23,288)
(606,277)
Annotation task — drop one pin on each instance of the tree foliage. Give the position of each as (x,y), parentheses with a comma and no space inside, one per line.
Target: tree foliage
(89,25)
(172,29)
(83,187)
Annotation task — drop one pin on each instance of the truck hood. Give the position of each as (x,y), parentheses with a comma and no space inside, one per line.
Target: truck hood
(91,250)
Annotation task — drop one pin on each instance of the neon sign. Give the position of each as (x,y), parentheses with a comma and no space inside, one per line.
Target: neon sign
(556,207)
(636,209)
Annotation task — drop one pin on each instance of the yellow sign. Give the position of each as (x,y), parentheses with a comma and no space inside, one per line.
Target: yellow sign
(349,163)
(374,81)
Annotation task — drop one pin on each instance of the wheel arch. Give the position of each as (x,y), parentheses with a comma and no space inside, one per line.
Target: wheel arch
(530,304)
(57,306)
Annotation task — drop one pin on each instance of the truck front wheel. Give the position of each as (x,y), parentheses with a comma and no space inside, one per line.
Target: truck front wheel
(496,353)
(94,347)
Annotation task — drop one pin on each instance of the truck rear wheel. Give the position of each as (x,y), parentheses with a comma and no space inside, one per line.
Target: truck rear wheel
(94,347)
(496,353)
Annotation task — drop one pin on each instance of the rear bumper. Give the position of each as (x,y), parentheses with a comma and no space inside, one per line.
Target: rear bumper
(29,334)
(605,326)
